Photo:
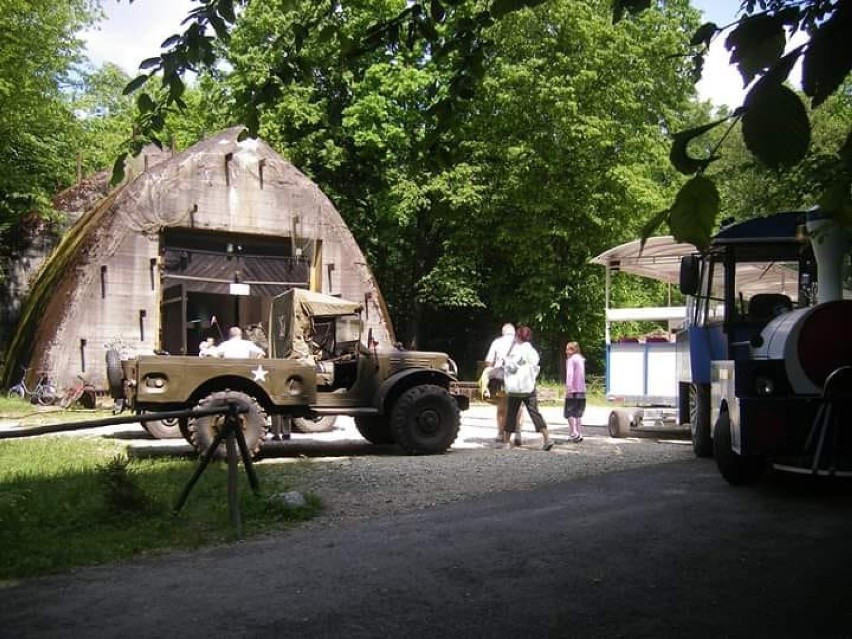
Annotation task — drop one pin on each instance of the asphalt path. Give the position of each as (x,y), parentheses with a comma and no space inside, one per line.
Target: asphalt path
(663,551)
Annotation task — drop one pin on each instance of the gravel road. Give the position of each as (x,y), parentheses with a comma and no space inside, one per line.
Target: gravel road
(359,481)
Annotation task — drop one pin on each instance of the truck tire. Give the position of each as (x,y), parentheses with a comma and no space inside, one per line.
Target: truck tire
(163,428)
(618,423)
(115,374)
(322,424)
(203,430)
(699,420)
(736,469)
(425,420)
(375,429)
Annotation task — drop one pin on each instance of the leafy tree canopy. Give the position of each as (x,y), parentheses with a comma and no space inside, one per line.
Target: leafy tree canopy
(38,130)
(775,124)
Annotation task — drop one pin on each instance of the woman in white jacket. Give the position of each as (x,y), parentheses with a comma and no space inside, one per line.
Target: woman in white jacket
(521,371)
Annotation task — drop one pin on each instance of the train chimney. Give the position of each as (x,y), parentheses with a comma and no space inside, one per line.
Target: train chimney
(830,241)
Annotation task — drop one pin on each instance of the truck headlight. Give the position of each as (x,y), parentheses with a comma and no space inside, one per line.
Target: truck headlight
(450,367)
(764,385)
(295,386)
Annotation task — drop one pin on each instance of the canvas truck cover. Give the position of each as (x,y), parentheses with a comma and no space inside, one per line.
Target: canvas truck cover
(290,319)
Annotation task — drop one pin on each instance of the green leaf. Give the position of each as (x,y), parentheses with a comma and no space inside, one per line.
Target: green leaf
(134,84)
(226,10)
(694,212)
(437,11)
(170,41)
(144,103)
(651,226)
(704,34)
(776,128)
(756,44)
(118,169)
(149,63)
(828,59)
(679,155)
(631,6)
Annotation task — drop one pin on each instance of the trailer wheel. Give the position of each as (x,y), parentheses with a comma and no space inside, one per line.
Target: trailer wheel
(115,374)
(203,430)
(736,469)
(425,420)
(375,429)
(322,424)
(699,419)
(618,423)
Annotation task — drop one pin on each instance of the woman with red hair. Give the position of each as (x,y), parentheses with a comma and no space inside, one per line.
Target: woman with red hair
(521,372)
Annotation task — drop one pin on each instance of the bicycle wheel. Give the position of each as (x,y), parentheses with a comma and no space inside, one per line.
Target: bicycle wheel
(46,395)
(71,396)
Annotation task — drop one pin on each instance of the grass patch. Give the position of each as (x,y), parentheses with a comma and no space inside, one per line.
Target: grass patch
(74,501)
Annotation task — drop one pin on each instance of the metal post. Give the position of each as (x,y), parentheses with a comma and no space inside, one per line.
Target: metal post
(233,496)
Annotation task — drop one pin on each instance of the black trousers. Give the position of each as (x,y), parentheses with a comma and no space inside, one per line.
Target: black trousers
(531,402)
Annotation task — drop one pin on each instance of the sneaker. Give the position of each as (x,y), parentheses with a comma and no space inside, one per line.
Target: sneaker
(576,439)
(547,446)
(517,441)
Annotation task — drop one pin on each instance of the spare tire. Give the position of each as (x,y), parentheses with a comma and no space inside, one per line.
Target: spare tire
(115,374)
(203,430)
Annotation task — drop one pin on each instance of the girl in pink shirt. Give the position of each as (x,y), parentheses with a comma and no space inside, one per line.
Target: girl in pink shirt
(575,390)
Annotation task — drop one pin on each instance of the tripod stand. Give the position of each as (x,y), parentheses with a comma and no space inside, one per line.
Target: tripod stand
(233,437)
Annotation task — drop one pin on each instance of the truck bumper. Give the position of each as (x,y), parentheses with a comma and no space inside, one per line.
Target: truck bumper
(462,401)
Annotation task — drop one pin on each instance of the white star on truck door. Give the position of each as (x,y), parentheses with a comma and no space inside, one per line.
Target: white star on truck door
(259,373)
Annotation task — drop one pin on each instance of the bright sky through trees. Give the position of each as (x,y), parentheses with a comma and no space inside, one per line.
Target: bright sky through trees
(133,32)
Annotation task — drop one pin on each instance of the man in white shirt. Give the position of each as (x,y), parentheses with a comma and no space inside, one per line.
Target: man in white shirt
(237,347)
(494,359)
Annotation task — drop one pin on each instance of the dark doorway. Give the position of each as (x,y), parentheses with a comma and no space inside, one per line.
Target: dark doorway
(212,281)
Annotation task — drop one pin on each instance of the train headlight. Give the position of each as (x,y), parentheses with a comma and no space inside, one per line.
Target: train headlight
(764,385)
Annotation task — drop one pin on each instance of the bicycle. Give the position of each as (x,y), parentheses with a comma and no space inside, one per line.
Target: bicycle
(82,392)
(44,393)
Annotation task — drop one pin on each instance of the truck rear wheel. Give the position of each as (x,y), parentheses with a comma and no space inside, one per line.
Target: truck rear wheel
(425,420)
(203,430)
(736,469)
(163,428)
(115,374)
(699,419)
(322,424)
(375,429)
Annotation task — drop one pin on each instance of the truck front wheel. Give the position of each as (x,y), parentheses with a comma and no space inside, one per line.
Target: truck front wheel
(203,430)
(375,429)
(736,469)
(425,420)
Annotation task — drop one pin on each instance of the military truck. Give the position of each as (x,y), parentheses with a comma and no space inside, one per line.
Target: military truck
(319,364)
